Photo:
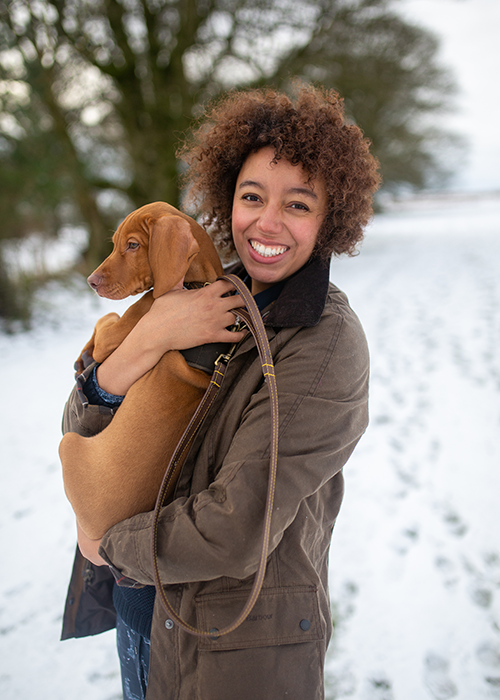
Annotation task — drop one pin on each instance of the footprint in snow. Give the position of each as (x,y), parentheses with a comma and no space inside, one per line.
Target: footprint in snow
(482,583)
(452,520)
(448,569)
(488,654)
(436,677)
(382,688)
(405,539)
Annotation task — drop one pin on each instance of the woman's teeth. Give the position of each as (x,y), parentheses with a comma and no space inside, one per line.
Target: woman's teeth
(267,251)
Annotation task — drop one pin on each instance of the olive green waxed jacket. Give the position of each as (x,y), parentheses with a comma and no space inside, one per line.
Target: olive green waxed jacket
(209,536)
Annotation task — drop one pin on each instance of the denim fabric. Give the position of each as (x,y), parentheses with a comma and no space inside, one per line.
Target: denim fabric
(133,651)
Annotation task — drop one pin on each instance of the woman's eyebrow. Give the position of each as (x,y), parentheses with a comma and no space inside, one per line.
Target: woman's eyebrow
(250,183)
(304,191)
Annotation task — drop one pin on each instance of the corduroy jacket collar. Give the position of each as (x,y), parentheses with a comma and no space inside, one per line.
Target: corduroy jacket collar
(303,297)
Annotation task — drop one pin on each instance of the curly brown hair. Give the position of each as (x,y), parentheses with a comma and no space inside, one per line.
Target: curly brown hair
(309,129)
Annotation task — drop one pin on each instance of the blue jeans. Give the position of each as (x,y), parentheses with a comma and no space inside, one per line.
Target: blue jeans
(133,651)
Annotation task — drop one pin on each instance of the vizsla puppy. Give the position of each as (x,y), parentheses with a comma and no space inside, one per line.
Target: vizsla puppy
(117,473)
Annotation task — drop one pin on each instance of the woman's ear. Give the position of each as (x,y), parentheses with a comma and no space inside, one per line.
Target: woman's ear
(172,248)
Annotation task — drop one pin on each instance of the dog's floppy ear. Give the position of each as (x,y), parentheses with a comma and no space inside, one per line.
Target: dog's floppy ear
(172,247)
(206,266)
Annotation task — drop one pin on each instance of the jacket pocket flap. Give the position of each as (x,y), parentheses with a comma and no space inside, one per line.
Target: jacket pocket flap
(285,615)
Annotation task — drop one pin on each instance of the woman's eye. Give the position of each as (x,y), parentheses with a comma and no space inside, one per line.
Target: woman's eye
(300,206)
(250,197)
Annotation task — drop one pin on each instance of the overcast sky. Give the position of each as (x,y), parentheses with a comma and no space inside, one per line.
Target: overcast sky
(470,45)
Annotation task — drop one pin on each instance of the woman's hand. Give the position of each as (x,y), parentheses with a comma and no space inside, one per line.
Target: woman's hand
(182,318)
(177,320)
(89,548)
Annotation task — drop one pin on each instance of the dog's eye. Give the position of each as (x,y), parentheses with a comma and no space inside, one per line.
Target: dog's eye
(132,245)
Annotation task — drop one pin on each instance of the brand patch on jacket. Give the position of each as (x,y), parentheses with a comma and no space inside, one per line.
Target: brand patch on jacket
(283,612)
(258,618)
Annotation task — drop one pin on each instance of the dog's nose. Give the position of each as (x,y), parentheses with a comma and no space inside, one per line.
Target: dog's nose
(94,281)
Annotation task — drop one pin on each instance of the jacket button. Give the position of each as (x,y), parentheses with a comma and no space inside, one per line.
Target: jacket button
(214,633)
(305,625)
(169,624)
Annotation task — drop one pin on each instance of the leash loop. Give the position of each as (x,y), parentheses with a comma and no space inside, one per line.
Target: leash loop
(253,320)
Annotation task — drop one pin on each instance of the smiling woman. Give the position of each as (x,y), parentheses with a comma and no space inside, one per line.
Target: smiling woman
(285,183)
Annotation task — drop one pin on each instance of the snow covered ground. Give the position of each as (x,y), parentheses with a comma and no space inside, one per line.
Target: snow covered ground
(415,561)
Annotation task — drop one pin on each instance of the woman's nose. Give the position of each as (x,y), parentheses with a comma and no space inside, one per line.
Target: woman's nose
(270,221)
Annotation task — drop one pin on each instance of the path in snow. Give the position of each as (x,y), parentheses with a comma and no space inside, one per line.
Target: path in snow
(415,563)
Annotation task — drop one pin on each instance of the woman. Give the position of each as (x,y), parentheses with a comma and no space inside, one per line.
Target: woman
(287,183)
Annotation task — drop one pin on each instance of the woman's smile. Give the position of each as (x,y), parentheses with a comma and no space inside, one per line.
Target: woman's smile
(267,251)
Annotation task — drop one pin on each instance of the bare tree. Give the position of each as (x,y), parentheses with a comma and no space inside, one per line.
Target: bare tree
(95,95)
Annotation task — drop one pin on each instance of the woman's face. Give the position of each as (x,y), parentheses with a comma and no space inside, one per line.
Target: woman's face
(276,217)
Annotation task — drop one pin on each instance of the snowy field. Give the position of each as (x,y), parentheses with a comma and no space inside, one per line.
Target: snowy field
(415,562)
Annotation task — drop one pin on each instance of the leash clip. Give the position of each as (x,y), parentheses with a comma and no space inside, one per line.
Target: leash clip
(238,325)
(224,357)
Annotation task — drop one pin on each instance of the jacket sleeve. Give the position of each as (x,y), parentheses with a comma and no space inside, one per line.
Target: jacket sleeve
(81,417)
(322,376)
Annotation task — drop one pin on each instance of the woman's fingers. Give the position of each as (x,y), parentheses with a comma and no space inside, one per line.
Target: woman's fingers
(187,318)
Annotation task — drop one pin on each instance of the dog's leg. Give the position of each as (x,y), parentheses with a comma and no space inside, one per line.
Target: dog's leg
(112,476)
(86,356)
(113,331)
(110,331)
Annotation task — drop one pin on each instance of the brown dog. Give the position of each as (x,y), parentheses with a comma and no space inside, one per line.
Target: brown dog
(117,473)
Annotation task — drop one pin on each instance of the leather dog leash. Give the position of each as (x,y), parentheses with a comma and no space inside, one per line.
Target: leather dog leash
(253,320)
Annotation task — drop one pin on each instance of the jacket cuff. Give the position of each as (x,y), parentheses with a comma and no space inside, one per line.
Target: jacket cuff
(121,580)
(82,417)
(96,395)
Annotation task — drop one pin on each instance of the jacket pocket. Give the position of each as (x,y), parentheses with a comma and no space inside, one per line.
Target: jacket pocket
(86,420)
(284,615)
